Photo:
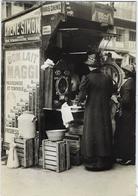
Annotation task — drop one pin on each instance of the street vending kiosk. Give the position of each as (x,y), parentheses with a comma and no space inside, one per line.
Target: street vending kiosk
(61,31)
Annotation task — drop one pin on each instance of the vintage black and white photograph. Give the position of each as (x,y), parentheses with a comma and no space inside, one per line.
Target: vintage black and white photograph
(68,98)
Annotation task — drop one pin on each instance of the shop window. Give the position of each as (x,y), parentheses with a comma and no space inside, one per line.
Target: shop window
(20,4)
(27,6)
(120,33)
(132,36)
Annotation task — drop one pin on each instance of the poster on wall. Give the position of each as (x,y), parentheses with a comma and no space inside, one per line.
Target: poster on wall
(21,87)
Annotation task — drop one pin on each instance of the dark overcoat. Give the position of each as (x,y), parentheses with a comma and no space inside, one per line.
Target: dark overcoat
(125,133)
(97,138)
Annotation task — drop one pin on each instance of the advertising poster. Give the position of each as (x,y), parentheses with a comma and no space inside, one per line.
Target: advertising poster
(21,87)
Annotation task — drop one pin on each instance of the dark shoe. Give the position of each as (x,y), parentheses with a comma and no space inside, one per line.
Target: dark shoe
(118,160)
(98,169)
(98,164)
(95,168)
(126,162)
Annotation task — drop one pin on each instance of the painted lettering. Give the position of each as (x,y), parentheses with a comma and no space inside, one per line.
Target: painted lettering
(17,73)
(31,72)
(22,72)
(22,28)
(33,23)
(13,88)
(27,26)
(9,71)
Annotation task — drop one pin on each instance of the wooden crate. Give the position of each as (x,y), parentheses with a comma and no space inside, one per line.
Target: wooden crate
(40,160)
(25,151)
(75,148)
(36,151)
(75,129)
(56,155)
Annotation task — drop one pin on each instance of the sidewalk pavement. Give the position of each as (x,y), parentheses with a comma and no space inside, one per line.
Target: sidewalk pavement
(120,181)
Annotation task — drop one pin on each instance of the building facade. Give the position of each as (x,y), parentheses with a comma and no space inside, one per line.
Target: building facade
(11,8)
(125,27)
(123,46)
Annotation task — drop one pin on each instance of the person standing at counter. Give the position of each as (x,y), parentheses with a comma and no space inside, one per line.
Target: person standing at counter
(125,134)
(97,89)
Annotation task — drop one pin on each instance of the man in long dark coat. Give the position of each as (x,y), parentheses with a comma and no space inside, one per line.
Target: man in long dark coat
(97,138)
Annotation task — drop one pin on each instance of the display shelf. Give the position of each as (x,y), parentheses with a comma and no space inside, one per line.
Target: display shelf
(59,110)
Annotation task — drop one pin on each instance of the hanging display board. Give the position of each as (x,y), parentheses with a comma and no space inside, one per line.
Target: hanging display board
(21,87)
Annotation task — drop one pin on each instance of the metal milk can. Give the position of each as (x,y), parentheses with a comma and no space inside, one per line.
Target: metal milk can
(26,125)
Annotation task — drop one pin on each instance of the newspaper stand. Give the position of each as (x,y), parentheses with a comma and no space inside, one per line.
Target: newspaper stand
(29,38)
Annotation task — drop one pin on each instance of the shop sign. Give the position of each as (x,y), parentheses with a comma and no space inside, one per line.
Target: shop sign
(21,87)
(52,8)
(78,9)
(46,30)
(23,28)
(102,14)
(90,11)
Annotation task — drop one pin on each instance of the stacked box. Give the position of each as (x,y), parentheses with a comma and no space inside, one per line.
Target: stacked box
(75,129)
(25,151)
(36,151)
(75,148)
(56,155)
(40,160)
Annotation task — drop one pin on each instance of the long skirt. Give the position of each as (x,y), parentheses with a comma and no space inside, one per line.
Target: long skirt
(98,163)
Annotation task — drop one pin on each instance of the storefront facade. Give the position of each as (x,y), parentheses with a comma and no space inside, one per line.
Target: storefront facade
(27,41)
(21,56)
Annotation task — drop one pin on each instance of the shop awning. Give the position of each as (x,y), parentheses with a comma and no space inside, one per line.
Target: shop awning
(72,23)
(115,55)
(132,55)
(77,34)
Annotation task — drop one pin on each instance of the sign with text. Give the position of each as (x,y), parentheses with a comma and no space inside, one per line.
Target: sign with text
(24,28)
(103,14)
(46,30)
(21,87)
(52,8)
(90,11)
